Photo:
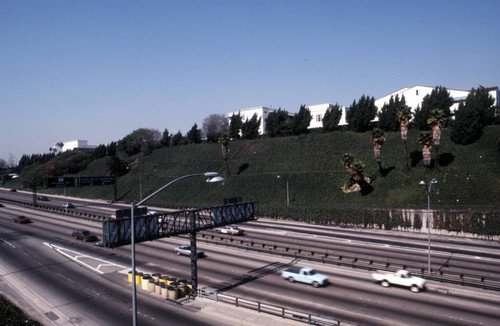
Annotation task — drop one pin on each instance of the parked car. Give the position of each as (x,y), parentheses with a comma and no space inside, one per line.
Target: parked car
(84,235)
(230,229)
(400,278)
(42,198)
(67,205)
(21,219)
(186,251)
(305,275)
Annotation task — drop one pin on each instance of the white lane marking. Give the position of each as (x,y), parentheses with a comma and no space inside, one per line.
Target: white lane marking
(7,242)
(78,256)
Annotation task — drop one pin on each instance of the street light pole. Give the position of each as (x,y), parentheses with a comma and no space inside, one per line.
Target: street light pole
(212,177)
(424,184)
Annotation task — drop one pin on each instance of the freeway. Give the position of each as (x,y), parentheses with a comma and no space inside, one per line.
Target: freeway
(352,296)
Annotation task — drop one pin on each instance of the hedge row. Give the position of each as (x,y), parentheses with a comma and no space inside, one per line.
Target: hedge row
(484,222)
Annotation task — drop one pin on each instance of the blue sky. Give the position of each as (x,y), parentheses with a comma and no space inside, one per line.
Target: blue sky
(97,70)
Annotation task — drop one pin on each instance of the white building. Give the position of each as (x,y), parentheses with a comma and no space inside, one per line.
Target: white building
(246,114)
(81,145)
(318,112)
(415,95)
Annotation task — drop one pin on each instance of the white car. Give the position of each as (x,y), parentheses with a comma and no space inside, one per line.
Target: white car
(230,229)
(186,251)
(67,205)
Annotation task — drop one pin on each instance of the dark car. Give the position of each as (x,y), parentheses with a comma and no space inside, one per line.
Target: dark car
(13,190)
(21,219)
(1,204)
(42,198)
(84,235)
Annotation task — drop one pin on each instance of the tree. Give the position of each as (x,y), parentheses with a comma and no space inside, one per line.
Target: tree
(359,115)
(279,123)
(387,118)
(194,135)
(378,139)
(214,126)
(250,128)
(100,151)
(472,116)
(404,116)
(116,166)
(235,125)
(111,149)
(436,120)
(332,118)
(224,142)
(425,140)
(301,121)
(355,167)
(165,138)
(439,99)
(140,140)
(178,139)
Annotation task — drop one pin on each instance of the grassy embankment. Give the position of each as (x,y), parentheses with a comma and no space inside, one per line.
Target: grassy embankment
(468,175)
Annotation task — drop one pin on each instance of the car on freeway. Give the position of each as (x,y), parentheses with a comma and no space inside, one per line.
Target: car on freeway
(230,229)
(186,251)
(21,219)
(1,204)
(84,235)
(13,190)
(42,198)
(68,205)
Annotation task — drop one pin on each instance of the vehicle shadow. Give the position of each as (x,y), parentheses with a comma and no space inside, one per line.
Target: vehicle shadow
(258,273)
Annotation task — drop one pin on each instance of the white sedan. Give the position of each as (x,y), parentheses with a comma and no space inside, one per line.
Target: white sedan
(186,251)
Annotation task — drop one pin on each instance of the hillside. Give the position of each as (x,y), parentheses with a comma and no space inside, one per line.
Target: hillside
(467,176)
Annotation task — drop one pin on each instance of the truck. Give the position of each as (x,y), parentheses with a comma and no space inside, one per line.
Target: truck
(305,275)
(400,278)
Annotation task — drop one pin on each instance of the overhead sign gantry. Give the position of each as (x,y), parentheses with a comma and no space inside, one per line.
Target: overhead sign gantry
(117,232)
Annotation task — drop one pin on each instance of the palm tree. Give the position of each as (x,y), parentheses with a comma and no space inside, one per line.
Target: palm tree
(425,140)
(355,167)
(224,141)
(404,116)
(436,119)
(378,139)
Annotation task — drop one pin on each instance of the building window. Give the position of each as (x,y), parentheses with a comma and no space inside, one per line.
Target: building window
(417,92)
(318,117)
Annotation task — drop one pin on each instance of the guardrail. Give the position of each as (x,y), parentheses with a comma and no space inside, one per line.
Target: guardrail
(452,277)
(59,210)
(262,307)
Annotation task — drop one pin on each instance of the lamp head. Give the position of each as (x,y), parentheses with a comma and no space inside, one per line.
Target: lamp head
(434,181)
(213,177)
(422,183)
